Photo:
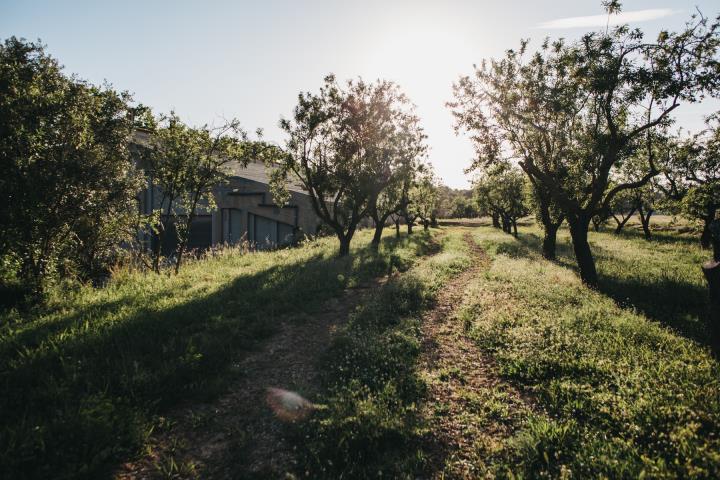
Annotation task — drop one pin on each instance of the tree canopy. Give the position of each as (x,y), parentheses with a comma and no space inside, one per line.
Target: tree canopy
(572,112)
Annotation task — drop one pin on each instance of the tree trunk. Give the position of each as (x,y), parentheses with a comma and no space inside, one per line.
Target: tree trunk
(645,221)
(161,235)
(183,244)
(505,224)
(375,243)
(157,247)
(188,225)
(495,220)
(409,225)
(624,220)
(397,228)
(583,254)
(706,237)
(514,225)
(550,227)
(344,245)
(426,225)
(711,269)
(550,241)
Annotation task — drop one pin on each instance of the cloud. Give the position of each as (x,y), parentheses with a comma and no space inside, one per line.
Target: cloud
(616,19)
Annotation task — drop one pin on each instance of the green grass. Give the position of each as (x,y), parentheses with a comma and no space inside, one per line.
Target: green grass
(614,393)
(369,425)
(661,278)
(85,378)
(615,383)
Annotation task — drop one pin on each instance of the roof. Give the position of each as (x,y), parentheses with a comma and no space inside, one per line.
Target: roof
(254,170)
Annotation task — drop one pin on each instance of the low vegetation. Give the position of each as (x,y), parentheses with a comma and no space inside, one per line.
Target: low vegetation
(614,391)
(369,424)
(85,377)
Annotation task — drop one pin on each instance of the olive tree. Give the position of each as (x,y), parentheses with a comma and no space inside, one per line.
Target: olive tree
(603,95)
(424,196)
(691,176)
(344,143)
(404,151)
(501,191)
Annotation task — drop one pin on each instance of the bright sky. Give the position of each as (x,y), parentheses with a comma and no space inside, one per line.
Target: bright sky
(211,59)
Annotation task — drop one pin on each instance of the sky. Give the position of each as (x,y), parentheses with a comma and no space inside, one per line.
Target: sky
(209,60)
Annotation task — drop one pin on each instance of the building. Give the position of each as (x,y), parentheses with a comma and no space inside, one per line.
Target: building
(244,210)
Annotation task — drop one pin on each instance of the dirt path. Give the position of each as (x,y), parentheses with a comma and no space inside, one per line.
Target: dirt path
(463,388)
(237,435)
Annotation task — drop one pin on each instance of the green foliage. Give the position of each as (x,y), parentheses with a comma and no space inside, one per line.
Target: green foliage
(572,112)
(692,176)
(348,143)
(423,195)
(501,192)
(85,377)
(67,183)
(463,207)
(185,165)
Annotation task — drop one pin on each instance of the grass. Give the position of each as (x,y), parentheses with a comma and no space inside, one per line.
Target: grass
(614,394)
(369,425)
(661,278)
(614,383)
(86,379)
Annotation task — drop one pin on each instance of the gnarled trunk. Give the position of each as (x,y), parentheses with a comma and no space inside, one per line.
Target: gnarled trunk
(645,221)
(583,254)
(623,220)
(550,240)
(495,220)
(379,227)
(375,243)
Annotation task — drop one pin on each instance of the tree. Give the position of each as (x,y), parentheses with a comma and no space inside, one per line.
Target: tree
(604,95)
(501,191)
(547,213)
(463,207)
(424,196)
(405,149)
(691,176)
(65,169)
(622,208)
(185,164)
(342,143)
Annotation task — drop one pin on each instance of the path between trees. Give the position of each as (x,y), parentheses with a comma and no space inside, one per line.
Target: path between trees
(463,386)
(237,435)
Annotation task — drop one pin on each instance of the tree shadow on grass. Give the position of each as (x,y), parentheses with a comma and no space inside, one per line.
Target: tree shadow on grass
(658,236)
(680,305)
(77,401)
